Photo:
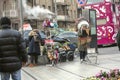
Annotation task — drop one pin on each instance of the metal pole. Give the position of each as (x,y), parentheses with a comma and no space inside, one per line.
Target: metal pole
(65,16)
(21,15)
(55,10)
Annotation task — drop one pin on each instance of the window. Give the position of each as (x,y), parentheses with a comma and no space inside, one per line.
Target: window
(116,1)
(43,6)
(15,26)
(49,7)
(71,1)
(64,10)
(4,5)
(30,1)
(14,5)
(101,21)
(93,21)
(59,10)
(75,14)
(94,1)
(34,2)
(58,6)
(71,14)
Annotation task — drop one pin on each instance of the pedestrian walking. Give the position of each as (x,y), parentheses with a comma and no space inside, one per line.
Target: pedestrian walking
(12,51)
(34,47)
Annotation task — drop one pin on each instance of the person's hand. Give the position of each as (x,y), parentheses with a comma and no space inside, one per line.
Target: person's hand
(23,64)
(119,49)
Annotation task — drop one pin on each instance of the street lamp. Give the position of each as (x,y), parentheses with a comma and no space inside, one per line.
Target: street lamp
(55,10)
(21,16)
(66,14)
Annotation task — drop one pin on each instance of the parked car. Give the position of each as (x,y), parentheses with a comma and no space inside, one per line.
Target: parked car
(72,36)
(60,40)
(56,31)
(26,37)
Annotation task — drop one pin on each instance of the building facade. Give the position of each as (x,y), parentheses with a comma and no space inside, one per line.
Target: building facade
(66,11)
(10,9)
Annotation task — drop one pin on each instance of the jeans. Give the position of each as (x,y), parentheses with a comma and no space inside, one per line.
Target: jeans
(14,75)
(34,59)
(83,54)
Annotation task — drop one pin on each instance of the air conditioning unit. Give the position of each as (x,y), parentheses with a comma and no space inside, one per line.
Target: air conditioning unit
(6,13)
(62,18)
(13,13)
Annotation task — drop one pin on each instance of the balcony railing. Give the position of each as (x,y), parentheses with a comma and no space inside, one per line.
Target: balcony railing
(60,1)
(10,13)
(63,18)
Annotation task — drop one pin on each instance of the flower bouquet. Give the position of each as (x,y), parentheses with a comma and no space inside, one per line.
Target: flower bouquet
(102,75)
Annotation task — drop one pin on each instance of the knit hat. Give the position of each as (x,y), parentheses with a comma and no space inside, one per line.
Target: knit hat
(5,21)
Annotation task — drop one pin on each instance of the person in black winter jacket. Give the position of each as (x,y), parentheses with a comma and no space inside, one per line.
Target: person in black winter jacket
(12,51)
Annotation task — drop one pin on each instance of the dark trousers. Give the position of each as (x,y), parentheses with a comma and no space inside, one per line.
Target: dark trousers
(83,54)
(34,59)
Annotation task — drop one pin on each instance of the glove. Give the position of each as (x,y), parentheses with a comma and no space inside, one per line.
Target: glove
(23,64)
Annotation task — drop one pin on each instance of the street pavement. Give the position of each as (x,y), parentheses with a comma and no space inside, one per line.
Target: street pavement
(108,58)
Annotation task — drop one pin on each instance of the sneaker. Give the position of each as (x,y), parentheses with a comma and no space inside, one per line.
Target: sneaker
(84,60)
(35,64)
(30,65)
(81,60)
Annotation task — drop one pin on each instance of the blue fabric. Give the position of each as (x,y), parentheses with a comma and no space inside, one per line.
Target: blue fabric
(15,75)
(55,25)
(72,46)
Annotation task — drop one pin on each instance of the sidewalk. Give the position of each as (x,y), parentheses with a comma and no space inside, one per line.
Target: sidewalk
(108,58)
(73,70)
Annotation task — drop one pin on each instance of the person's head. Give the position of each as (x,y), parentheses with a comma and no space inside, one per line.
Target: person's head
(5,21)
(84,27)
(33,33)
(35,30)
